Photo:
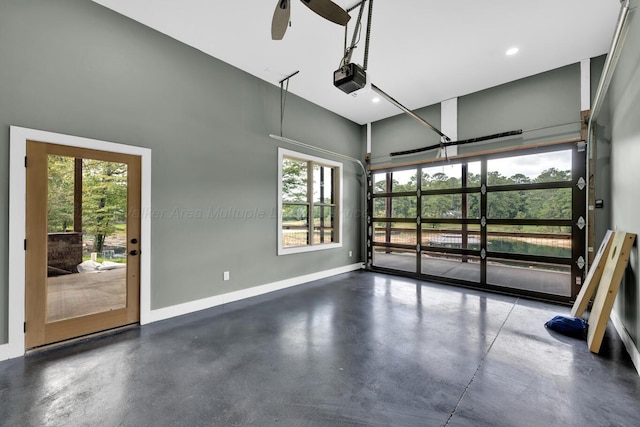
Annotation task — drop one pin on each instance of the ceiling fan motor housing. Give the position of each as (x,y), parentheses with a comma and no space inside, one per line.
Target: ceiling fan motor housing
(349,78)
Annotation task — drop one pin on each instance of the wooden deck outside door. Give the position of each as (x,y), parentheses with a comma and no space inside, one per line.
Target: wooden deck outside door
(63,299)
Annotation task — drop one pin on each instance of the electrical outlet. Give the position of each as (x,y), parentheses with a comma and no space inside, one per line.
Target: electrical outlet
(225,275)
(350,254)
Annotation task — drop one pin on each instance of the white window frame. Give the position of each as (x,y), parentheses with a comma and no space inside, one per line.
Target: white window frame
(338,167)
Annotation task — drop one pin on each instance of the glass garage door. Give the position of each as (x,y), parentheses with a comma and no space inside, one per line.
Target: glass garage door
(511,222)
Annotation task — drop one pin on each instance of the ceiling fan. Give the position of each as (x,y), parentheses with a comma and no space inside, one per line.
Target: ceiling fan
(325,8)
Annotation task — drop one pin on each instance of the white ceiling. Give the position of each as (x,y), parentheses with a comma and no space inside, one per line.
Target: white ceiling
(421,52)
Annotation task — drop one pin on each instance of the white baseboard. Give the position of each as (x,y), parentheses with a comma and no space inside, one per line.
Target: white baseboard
(4,352)
(205,303)
(627,340)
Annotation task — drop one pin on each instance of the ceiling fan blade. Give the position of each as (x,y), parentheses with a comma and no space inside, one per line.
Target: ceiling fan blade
(328,10)
(280,20)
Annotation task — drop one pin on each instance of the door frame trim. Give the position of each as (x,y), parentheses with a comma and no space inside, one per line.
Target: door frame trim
(17,222)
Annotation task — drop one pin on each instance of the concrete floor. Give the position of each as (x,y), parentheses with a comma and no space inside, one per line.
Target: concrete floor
(359,349)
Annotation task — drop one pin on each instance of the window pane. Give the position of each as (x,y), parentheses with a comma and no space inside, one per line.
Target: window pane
(322,184)
(380,232)
(380,207)
(439,177)
(451,236)
(453,266)
(540,167)
(450,206)
(380,182)
(404,207)
(552,279)
(473,174)
(442,206)
(553,203)
(395,259)
(323,224)
(295,231)
(294,180)
(404,181)
(473,205)
(530,240)
(399,233)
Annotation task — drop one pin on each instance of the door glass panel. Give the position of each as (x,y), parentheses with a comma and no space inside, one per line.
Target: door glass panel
(404,181)
(449,206)
(452,266)
(380,182)
(473,174)
(530,168)
(395,259)
(439,177)
(399,233)
(542,240)
(404,207)
(86,237)
(530,276)
(553,203)
(456,236)
(380,207)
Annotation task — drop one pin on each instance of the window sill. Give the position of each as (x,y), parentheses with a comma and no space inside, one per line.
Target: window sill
(300,249)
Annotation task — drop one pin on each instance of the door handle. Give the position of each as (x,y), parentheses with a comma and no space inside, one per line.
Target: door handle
(134,252)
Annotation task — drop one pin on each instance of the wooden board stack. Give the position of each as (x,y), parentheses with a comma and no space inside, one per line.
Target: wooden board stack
(603,280)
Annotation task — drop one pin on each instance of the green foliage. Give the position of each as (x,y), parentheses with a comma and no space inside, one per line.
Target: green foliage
(294,180)
(104,197)
(60,194)
(522,204)
(295,214)
(104,201)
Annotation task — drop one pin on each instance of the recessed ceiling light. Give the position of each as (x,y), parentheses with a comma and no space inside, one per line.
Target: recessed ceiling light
(375,100)
(512,51)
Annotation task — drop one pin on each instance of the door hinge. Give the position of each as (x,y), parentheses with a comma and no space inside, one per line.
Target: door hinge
(25,161)
(25,244)
(25,327)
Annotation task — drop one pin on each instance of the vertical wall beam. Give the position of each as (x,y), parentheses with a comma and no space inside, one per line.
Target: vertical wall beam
(585,84)
(449,124)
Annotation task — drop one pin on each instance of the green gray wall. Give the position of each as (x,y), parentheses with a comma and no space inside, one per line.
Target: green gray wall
(400,133)
(74,67)
(623,129)
(545,100)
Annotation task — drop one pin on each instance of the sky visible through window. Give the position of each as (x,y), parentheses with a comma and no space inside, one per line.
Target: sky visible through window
(531,165)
